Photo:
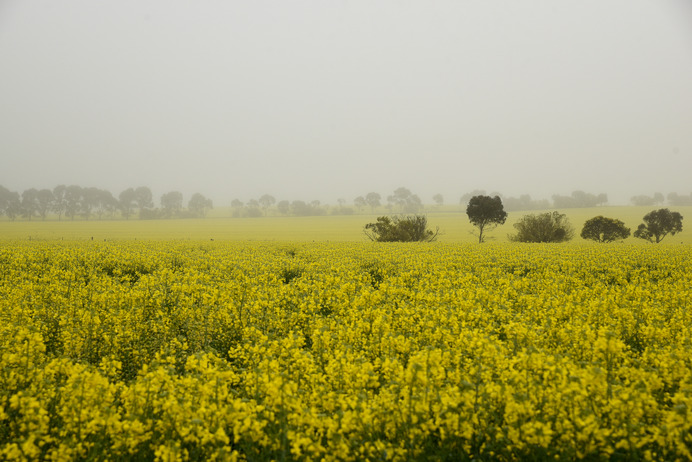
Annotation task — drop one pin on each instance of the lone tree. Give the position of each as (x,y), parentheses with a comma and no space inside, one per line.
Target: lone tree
(658,224)
(485,213)
(401,228)
(544,227)
(602,229)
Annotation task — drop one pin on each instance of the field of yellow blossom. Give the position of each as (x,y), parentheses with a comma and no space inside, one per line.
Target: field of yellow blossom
(192,350)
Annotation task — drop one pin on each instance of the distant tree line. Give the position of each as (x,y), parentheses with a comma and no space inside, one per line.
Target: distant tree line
(260,207)
(402,200)
(94,203)
(74,201)
(679,200)
(578,199)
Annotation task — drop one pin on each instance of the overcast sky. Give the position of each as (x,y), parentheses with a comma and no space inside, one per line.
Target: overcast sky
(331,99)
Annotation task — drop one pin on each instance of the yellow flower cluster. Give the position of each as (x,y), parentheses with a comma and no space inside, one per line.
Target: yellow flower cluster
(344,351)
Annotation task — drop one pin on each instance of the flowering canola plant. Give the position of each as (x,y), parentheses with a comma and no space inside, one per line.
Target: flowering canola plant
(344,351)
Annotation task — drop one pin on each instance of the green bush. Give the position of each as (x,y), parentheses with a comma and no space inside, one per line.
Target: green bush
(543,227)
(401,228)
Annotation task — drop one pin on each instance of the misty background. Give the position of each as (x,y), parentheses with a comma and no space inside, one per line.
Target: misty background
(332,99)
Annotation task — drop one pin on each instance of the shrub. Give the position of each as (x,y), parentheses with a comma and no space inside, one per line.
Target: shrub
(602,229)
(543,227)
(401,228)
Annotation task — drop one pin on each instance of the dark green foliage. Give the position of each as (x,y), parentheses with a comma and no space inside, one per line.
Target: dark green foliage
(602,229)
(401,228)
(658,224)
(289,274)
(376,273)
(543,227)
(485,213)
(126,271)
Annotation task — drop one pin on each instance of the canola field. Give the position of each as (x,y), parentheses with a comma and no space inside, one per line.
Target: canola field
(163,350)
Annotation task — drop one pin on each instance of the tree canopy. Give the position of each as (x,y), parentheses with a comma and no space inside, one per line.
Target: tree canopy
(658,224)
(485,213)
(602,229)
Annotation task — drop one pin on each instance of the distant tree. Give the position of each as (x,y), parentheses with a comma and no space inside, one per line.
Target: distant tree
(303,209)
(373,200)
(579,199)
(524,202)
(251,212)
(266,201)
(439,200)
(13,205)
(45,201)
(90,201)
(59,202)
(5,195)
(543,227)
(658,224)
(144,198)
(485,213)
(359,202)
(127,200)
(642,200)
(602,229)
(73,201)
(106,204)
(237,206)
(300,208)
(405,200)
(283,207)
(467,197)
(342,211)
(678,200)
(199,205)
(401,228)
(171,204)
(30,203)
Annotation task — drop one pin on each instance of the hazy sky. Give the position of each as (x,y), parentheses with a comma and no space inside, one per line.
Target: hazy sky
(331,99)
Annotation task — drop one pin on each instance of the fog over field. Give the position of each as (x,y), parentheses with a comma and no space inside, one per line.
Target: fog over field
(333,99)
